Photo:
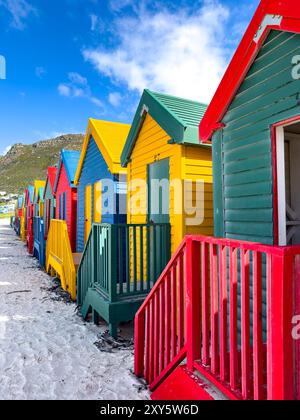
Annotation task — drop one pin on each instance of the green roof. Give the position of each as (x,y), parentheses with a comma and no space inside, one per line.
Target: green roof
(179,118)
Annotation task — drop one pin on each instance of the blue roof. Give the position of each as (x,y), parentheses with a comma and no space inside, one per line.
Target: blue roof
(31,193)
(70,160)
(20,202)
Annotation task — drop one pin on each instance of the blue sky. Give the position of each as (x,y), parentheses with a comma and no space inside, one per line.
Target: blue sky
(69,60)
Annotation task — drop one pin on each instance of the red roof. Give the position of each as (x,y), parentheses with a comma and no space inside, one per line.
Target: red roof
(51,176)
(282,15)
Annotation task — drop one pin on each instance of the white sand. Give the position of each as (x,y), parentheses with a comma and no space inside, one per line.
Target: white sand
(46,350)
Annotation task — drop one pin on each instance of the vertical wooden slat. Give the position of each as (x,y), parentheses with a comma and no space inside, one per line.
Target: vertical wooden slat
(223,314)
(148,257)
(147,344)
(245,351)
(156,335)
(193,299)
(162,311)
(280,343)
(214,309)
(173,312)
(181,302)
(139,344)
(134,259)
(152,332)
(121,259)
(128,258)
(257,327)
(234,354)
(167,323)
(205,304)
(141,258)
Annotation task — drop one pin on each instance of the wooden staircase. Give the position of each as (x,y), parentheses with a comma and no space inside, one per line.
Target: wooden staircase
(200,334)
(60,261)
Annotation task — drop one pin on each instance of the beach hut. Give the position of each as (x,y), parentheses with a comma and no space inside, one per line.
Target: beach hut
(39,243)
(100,163)
(38,195)
(162,145)
(18,215)
(66,192)
(29,203)
(240,335)
(49,199)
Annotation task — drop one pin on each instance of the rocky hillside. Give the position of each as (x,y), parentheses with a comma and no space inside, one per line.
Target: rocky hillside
(24,163)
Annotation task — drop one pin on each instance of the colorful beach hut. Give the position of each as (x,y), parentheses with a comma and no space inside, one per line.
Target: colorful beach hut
(66,192)
(38,195)
(29,203)
(61,258)
(240,332)
(163,147)
(49,199)
(99,165)
(39,244)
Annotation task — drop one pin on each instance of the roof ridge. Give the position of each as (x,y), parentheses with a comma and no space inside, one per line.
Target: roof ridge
(109,122)
(176,97)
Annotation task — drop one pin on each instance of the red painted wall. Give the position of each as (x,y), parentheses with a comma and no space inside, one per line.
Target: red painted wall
(71,213)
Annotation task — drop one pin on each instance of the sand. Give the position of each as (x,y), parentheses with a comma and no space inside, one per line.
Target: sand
(47,351)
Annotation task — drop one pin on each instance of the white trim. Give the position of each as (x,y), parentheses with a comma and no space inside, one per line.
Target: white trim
(268,20)
(281,186)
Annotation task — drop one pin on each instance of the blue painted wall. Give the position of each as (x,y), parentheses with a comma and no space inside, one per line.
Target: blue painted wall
(94,170)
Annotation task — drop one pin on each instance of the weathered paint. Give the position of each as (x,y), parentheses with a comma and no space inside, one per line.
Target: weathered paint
(267,95)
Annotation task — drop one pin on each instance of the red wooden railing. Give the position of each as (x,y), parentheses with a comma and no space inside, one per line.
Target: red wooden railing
(227,308)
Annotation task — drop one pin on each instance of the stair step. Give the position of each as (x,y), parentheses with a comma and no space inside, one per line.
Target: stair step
(182,385)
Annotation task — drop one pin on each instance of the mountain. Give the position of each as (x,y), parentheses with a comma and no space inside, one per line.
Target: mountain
(25,163)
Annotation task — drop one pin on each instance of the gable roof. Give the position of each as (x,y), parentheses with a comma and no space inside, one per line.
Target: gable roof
(51,177)
(69,159)
(281,15)
(37,185)
(110,138)
(178,117)
(30,191)
(40,195)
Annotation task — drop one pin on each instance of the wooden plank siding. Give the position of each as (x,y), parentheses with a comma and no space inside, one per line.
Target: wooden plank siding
(71,205)
(94,170)
(197,165)
(186,162)
(269,94)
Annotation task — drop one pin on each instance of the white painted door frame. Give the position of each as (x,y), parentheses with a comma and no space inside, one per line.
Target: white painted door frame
(281,186)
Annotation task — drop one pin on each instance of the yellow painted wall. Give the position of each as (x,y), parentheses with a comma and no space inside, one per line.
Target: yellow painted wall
(151,146)
(197,165)
(186,162)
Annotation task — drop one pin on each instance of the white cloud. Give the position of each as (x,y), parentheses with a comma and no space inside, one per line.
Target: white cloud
(114,99)
(77,87)
(6,150)
(20,10)
(117,5)
(64,90)
(179,53)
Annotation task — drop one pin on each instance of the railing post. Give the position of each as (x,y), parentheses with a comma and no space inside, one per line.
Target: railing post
(193,301)
(280,366)
(113,259)
(139,344)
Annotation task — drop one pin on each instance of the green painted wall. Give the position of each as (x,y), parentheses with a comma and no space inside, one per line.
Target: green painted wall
(269,94)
